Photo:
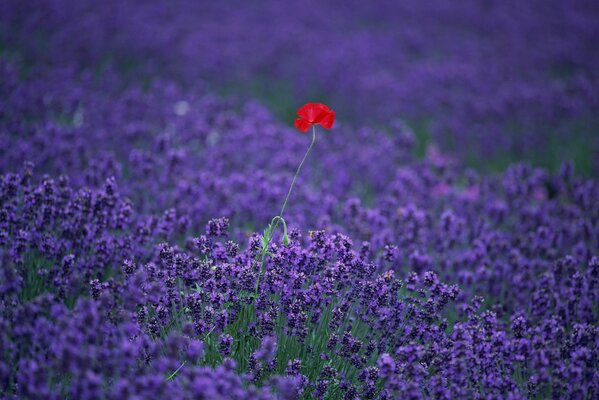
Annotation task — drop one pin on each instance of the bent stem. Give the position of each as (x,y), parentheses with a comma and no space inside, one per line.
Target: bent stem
(272,227)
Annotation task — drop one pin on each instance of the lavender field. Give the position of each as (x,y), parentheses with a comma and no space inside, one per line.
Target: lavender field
(441,240)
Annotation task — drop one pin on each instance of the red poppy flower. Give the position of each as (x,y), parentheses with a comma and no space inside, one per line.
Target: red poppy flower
(312,114)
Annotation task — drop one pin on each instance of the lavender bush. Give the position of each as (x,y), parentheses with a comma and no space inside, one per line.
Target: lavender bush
(133,198)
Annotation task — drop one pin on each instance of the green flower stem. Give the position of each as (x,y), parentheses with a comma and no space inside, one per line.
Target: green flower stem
(279,218)
(299,168)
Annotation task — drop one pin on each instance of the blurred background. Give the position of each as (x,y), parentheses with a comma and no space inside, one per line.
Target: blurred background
(486,82)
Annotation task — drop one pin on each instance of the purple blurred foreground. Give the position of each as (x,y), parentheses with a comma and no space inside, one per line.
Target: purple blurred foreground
(142,153)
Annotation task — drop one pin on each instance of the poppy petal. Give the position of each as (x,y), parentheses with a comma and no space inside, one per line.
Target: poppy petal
(320,116)
(328,120)
(302,125)
(312,112)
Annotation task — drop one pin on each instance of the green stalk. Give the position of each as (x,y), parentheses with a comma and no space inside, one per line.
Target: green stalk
(299,168)
(279,218)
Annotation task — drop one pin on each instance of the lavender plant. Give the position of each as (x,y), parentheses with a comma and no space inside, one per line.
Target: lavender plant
(132,259)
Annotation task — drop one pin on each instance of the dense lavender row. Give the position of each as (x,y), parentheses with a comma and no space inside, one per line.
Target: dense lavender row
(117,281)
(186,158)
(185,149)
(511,78)
(92,308)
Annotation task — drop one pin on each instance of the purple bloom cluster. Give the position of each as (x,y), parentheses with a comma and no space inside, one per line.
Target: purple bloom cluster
(78,261)
(129,204)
